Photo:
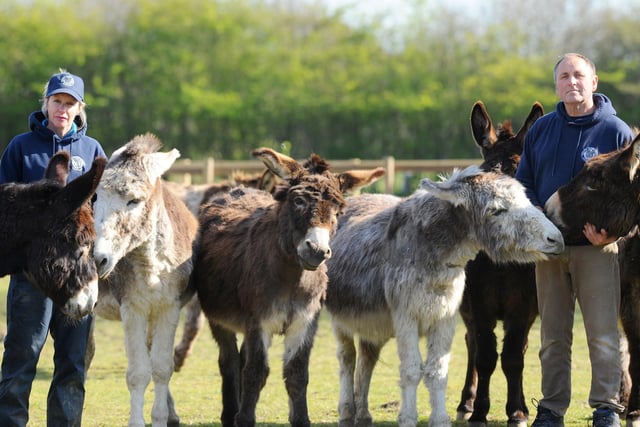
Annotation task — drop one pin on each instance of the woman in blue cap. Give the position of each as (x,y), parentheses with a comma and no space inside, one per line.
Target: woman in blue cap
(60,125)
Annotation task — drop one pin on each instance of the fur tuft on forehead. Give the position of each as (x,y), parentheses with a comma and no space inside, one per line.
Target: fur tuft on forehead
(316,165)
(139,145)
(325,185)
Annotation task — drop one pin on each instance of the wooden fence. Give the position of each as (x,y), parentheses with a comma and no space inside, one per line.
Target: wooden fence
(208,170)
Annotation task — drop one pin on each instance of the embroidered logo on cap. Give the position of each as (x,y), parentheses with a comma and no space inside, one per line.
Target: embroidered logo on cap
(67,80)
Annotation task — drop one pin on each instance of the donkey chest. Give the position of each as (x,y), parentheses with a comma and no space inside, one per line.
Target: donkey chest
(143,289)
(430,297)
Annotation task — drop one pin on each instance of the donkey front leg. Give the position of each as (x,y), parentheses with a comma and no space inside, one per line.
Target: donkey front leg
(139,364)
(254,375)
(436,370)
(161,351)
(298,343)
(407,339)
(230,364)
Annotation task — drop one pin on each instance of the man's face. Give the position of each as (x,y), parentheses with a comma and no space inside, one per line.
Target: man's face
(575,81)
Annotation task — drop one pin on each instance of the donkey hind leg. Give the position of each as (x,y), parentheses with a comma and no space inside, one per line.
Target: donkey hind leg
(138,363)
(230,365)
(254,375)
(346,354)
(193,323)
(485,359)
(298,343)
(436,369)
(161,352)
(633,409)
(368,354)
(512,358)
(469,389)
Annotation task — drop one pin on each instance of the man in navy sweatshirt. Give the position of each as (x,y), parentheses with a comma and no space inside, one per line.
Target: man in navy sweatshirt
(583,125)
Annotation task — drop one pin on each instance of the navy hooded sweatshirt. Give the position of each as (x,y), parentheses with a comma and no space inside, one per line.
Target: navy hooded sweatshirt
(557,146)
(27,155)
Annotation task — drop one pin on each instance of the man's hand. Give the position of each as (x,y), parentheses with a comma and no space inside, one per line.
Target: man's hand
(597,238)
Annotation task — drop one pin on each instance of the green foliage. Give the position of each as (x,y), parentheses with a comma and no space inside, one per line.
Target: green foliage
(219,78)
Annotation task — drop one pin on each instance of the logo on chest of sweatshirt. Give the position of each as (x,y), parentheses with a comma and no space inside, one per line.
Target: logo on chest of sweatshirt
(588,153)
(77,163)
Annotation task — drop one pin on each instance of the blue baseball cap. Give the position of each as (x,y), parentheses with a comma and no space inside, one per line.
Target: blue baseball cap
(66,83)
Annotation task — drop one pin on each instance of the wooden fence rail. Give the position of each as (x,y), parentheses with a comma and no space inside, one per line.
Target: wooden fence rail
(208,170)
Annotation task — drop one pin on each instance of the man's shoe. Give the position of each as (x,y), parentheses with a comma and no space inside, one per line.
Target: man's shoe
(605,417)
(546,418)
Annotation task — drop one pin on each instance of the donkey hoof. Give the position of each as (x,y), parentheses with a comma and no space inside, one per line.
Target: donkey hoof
(517,423)
(463,415)
(633,421)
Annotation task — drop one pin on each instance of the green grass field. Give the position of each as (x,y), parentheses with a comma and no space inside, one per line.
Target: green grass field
(196,388)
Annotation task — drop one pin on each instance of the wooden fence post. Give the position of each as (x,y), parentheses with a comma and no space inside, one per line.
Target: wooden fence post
(390,173)
(210,170)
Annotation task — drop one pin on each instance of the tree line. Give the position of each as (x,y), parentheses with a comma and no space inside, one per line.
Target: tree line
(219,78)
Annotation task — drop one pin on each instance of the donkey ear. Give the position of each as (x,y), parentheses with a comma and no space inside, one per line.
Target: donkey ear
(536,112)
(484,134)
(350,180)
(456,187)
(278,163)
(82,189)
(635,158)
(157,164)
(58,167)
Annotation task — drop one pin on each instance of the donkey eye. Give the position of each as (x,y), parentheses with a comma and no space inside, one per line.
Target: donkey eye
(299,202)
(133,202)
(498,212)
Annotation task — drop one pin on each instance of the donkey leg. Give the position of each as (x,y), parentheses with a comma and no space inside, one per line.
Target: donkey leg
(367,359)
(468,393)
(407,339)
(254,375)
(513,351)
(229,363)
(485,359)
(161,351)
(631,328)
(193,322)
(436,369)
(139,364)
(346,354)
(298,343)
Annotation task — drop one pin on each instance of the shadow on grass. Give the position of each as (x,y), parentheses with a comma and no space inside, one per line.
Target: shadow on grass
(382,424)
(377,424)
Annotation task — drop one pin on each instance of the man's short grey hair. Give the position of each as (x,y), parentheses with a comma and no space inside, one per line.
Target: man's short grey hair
(571,55)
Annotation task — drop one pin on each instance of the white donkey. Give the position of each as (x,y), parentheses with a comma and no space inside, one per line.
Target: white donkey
(398,269)
(143,254)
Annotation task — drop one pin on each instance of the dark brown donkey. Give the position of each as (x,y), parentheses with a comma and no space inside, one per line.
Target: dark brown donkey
(494,292)
(259,269)
(47,232)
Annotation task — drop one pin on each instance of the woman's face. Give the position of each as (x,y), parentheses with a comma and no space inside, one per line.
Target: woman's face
(61,111)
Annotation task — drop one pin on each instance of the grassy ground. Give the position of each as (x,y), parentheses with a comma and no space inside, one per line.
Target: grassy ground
(196,388)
